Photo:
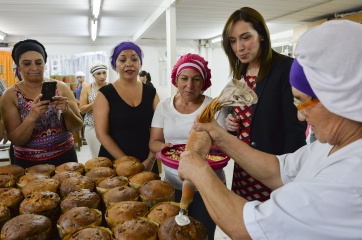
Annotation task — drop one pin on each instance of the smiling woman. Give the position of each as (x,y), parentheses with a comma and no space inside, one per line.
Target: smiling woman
(123,110)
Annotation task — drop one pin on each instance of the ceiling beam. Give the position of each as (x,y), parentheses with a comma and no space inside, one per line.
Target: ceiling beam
(152,19)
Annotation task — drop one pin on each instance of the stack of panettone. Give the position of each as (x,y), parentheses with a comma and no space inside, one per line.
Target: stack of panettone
(108,199)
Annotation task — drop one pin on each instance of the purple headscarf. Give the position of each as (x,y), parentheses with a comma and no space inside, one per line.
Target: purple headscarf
(125,46)
(298,79)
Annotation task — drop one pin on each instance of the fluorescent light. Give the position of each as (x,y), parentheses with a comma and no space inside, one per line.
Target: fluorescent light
(2,36)
(94,25)
(215,40)
(96,7)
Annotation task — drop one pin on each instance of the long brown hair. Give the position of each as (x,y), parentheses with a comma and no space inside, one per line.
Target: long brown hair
(258,23)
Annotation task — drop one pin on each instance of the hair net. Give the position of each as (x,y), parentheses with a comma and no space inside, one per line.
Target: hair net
(331,56)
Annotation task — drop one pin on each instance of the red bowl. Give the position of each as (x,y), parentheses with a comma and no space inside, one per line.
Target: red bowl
(166,155)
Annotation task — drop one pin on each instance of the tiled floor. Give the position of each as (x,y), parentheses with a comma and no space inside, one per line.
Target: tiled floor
(84,155)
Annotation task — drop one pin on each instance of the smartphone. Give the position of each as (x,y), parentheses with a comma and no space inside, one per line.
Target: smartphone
(48,91)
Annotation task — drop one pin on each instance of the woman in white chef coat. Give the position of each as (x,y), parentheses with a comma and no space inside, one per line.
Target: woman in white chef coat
(317,189)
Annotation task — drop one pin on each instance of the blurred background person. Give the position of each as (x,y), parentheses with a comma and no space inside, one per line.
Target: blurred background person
(145,77)
(271,125)
(173,120)
(2,130)
(123,110)
(41,131)
(88,95)
(80,76)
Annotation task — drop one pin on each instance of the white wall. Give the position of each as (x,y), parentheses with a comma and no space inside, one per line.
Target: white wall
(154,62)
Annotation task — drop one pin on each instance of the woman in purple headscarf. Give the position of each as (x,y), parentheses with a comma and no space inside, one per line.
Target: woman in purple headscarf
(123,110)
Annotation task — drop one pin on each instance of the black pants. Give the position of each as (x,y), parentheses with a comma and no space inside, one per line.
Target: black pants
(197,210)
(69,156)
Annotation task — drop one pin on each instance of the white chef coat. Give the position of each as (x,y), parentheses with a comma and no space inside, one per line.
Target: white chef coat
(321,197)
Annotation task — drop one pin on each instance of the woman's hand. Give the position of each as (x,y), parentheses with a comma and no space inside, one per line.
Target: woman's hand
(215,131)
(190,164)
(38,108)
(232,123)
(61,103)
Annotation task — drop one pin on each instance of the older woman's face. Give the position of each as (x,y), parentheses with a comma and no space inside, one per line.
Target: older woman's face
(31,66)
(189,84)
(245,42)
(323,122)
(128,64)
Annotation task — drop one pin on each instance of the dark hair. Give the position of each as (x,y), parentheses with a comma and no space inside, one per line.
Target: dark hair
(147,74)
(258,23)
(25,46)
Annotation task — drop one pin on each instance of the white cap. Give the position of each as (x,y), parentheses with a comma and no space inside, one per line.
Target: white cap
(331,57)
(79,74)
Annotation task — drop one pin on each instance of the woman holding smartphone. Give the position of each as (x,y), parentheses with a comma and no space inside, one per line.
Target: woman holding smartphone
(41,130)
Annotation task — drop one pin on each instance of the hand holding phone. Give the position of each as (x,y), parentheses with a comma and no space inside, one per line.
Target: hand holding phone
(48,91)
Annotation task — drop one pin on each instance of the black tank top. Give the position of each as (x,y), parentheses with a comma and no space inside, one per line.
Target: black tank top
(129,126)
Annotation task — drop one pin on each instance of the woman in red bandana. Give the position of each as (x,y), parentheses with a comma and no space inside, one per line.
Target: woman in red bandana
(173,119)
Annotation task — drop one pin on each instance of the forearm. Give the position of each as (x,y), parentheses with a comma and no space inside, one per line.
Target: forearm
(110,145)
(86,108)
(73,121)
(23,132)
(260,165)
(156,146)
(224,206)
(148,163)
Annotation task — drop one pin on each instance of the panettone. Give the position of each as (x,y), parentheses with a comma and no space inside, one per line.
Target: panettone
(76,183)
(97,162)
(80,198)
(61,176)
(123,211)
(40,185)
(136,229)
(138,179)
(170,230)
(163,210)
(120,194)
(42,203)
(27,227)
(129,168)
(13,169)
(70,167)
(125,159)
(91,233)
(98,174)
(27,178)
(156,191)
(47,169)
(5,215)
(7,180)
(111,182)
(11,197)
(77,218)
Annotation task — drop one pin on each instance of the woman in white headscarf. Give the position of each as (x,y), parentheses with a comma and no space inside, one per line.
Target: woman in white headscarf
(318,188)
(87,97)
